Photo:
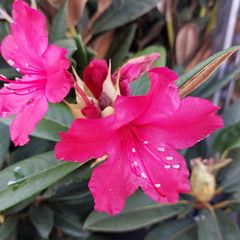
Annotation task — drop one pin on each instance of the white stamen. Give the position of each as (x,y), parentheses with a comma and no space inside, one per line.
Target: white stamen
(145,142)
(157,185)
(176,166)
(133,150)
(167,166)
(169,158)
(160,149)
(143,175)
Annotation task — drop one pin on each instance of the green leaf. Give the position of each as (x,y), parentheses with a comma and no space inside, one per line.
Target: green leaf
(216,226)
(57,119)
(4,143)
(59,113)
(140,86)
(229,137)
(68,44)
(69,223)
(201,72)
(217,84)
(58,28)
(140,211)
(121,44)
(154,49)
(229,177)
(42,218)
(38,173)
(7,229)
(231,115)
(184,229)
(122,12)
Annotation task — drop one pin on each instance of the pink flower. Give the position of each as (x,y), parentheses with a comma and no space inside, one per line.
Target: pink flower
(44,67)
(141,139)
(96,72)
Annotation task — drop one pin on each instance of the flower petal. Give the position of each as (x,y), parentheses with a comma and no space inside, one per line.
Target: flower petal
(27,119)
(55,59)
(94,75)
(58,85)
(11,103)
(87,139)
(24,47)
(133,69)
(26,21)
(112,182)
(162,172)
(194,120)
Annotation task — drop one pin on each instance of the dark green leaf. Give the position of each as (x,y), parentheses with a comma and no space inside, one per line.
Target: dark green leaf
(4,143)
(42,219)
(184,229)
(227,139)
(217,84)
(231,115)
(69,223)
(7,229)
(68,44)
(216,226)
(59,113)
(229,177)
(140,86)
(140,211)
(39,172)
(154,49)
(121,12)
(57,119)
(120,45)
(58,28)
(201,66)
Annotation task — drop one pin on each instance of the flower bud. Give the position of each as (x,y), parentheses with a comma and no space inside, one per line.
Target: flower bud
(202,181)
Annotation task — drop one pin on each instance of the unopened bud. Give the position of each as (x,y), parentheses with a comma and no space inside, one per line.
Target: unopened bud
(186,43)
(202,181)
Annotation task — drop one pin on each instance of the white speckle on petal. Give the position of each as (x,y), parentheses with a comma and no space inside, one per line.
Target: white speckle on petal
(18,69)
(169,158)
(157,185)
(145,142)
(143,175)
(133,150)
(135,163)
(176,166)
(160,149)
(27,64)
(167,166)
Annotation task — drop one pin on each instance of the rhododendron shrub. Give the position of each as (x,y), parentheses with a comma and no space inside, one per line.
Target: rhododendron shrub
(134,144)
(44,69)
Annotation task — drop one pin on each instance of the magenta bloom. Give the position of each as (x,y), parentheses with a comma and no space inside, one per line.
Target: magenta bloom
(44,67)
(96,72)
(141,139)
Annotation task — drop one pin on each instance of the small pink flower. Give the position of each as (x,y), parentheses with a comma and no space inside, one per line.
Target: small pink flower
(140,139)
(96,72)
(44,67)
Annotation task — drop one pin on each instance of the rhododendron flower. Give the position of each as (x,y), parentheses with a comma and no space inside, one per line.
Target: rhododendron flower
(140,139)
(96,72)
(44,67)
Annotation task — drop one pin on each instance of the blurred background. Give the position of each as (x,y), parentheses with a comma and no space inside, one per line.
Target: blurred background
(185,33)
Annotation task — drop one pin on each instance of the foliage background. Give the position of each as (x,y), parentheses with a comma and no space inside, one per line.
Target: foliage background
(41,198)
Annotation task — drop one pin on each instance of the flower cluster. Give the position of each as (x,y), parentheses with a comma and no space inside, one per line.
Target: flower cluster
(137,136)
